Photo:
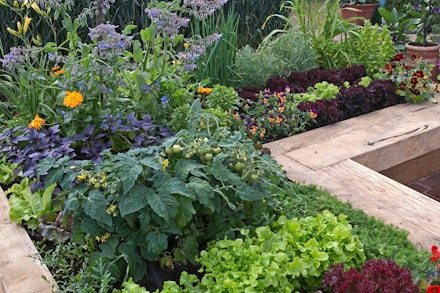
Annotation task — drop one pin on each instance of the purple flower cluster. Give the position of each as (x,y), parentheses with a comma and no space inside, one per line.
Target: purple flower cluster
(166,21)
(16,57)
(97,8)
(109,41)
(201,9)
(195,47)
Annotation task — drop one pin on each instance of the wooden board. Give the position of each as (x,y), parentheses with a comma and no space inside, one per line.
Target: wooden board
(20,271)
(415,169)
(387,199)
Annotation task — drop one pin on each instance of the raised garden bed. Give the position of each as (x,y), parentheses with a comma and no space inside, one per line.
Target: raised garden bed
(346,158)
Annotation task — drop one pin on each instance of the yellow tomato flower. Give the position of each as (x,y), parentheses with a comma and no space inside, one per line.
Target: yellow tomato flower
(165,164)
(103,238)
(37,123)
(81,177)
(73,99)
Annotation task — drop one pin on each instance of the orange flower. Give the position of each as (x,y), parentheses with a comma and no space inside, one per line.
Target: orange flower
(278,120)
(204,90)
(73,99)
(37,123)
(55,68)
(253,129)
(59,72)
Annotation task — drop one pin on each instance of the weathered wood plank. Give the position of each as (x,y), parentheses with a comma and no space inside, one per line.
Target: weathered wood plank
(386,199)
(323,134)
(20,271)
(376,136)
(415,169)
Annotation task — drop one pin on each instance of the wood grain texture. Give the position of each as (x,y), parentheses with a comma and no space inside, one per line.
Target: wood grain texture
(20,271)
(386,199)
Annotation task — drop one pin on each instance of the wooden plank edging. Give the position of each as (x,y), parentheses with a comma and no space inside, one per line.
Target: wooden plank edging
(20,270)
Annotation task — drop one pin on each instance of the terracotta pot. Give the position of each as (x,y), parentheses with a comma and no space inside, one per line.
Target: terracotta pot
(429,53)
(359,10)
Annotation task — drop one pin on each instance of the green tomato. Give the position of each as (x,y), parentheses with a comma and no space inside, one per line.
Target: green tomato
(217,150)
(177,148)
(208,157)
(169,151)
(255,177)
(239,166)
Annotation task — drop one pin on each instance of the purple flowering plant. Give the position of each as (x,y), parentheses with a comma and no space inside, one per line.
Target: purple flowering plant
(423,14)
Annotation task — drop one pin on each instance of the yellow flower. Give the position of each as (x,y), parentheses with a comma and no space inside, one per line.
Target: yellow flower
(103,238)
(73,99)
(37,123)
(185,45)
(112,210)
(27,21)
(165,164)
(81,177)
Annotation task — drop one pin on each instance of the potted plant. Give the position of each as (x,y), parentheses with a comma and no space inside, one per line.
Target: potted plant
(423,15)
(357,10)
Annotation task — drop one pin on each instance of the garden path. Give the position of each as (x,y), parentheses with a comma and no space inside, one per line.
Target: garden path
(346,159)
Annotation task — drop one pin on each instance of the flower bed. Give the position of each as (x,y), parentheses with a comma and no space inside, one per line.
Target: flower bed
(356,95)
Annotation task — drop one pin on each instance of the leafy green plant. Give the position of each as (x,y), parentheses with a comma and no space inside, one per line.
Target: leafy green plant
(288,256)
(321,90)
(28,207)
(166,201)
(397,23)
(380,240)
(7,172)
(373,47)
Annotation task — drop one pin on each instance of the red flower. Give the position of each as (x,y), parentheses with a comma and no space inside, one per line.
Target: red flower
(435,254)
(419,73)
(433,289)
(389,68)
(398,57)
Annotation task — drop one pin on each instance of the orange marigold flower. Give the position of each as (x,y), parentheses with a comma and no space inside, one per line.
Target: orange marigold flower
(204,90)
(58,72)
(37,123)
(73,99)
(55,68)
